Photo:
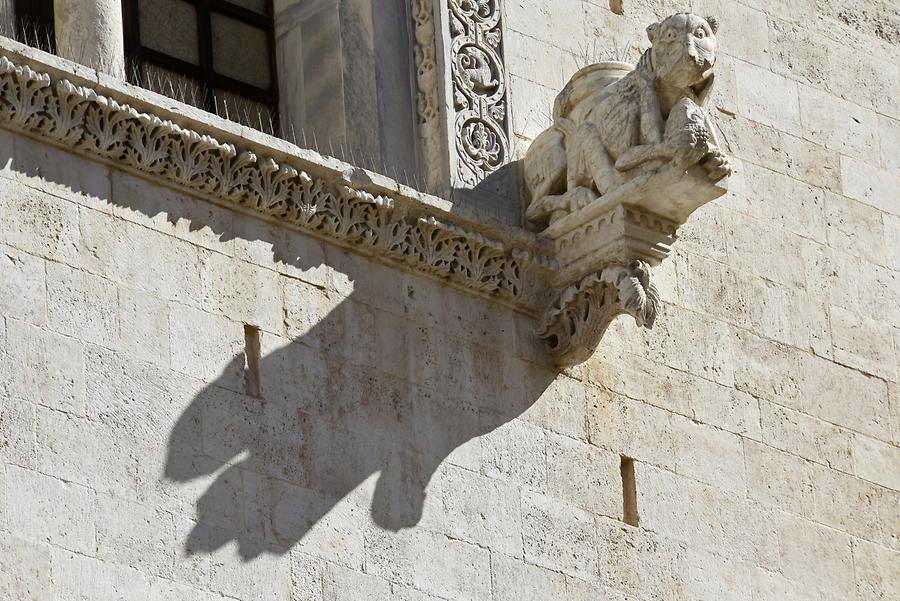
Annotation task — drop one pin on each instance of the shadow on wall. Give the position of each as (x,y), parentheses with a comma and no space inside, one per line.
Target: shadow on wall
(361,392)
(323,425)
(499,196)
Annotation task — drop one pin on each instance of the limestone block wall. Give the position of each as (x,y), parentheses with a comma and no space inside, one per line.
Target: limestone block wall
(197,404)
(763,410)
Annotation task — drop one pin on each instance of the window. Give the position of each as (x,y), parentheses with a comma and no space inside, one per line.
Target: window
(214,54)
(29,22)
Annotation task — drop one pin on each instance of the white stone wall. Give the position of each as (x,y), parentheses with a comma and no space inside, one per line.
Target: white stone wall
(763,412)
(412,443)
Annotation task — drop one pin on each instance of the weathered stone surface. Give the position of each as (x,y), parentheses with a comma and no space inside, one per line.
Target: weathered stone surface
(799,434)
(23,287)
(768,98)
(77,576)
(144,325)
(17,432)
(82,306)
(38,223)
(496,525)
(45,369)
(870,185)
(877,462)
(24,569)
(876,570)
(413,442)
(39,508)
(817,557)
(558,536)
(583,475)
(513,580)
(862,343)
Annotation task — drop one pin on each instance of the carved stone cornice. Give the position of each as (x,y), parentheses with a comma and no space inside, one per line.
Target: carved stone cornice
(317,195)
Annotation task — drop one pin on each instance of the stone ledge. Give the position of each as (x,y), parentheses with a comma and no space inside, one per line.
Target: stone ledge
(108,120)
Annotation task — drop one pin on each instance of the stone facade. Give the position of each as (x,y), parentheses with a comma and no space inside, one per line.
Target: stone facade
(202,399)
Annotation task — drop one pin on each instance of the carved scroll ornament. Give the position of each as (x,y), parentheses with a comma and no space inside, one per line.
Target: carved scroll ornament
(478,88)
(630,155)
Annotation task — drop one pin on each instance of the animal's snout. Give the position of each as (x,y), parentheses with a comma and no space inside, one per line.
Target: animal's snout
(703,59)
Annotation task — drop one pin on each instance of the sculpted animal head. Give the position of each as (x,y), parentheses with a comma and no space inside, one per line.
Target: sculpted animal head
(684,50)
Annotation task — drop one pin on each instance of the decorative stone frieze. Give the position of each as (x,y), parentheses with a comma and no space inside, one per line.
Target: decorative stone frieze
(630,155)
(325,203)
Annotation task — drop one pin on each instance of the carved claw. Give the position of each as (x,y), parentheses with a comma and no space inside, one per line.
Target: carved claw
(717,164)
(576,322)
(692,154)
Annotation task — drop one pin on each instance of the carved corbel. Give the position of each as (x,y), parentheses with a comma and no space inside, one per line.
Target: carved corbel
(574,325)
(630,155)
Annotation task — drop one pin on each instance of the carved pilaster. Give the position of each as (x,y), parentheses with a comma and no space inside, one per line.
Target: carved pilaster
(461,98)
(478,86)
(428,101)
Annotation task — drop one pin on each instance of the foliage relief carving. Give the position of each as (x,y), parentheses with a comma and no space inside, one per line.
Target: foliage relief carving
(77,117)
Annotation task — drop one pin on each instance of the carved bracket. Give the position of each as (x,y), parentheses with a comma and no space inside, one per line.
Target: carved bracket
(578,318)
(630,155)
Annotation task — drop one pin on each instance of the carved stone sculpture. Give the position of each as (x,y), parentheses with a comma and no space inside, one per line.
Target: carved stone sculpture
(630,155)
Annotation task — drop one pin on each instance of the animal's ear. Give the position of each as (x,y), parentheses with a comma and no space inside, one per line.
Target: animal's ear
(651,32)
(713,24)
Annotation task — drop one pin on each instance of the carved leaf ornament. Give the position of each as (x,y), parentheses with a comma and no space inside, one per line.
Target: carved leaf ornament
(79,118)
(578,319)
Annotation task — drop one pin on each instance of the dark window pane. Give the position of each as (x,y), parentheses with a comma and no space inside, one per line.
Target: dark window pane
(240,51)
(174,85)
(29,22)
(170,26)
(258,6)
(242,110)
